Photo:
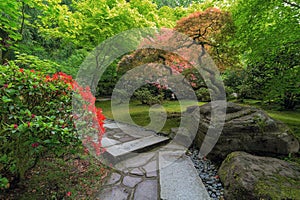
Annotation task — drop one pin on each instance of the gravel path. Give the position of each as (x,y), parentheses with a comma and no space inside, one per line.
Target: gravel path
(208,173)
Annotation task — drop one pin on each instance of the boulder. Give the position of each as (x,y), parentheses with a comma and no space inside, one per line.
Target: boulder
(246,129)
(245,176)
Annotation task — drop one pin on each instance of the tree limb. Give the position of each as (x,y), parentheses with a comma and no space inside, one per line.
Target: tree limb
(23,18)
(291,4)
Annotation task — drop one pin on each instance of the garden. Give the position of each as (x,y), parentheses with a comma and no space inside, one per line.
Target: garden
(52,123)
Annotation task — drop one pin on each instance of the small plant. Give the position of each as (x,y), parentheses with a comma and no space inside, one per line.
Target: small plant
(4,183)
(261,123)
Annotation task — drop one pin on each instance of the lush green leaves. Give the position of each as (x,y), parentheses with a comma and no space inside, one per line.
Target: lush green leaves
(35,118)
(268,38)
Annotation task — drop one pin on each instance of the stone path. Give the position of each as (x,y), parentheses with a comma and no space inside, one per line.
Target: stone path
(145,167)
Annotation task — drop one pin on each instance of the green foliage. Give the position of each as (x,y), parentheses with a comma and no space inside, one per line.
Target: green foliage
(284,88)
(176,3)
(233,80)
(108,80)
(145,96)
(4,183)
(202,94)
(35,119)
(10,25)
(268,40)
(33,62)
(91,22)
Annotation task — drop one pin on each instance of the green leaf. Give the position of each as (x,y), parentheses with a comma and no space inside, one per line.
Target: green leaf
(5,99)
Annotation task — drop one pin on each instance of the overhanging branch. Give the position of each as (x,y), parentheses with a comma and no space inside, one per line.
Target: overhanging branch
(291,4)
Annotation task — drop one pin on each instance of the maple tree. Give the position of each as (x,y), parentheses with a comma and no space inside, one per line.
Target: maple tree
(212,29)
(209,30)
(175,55)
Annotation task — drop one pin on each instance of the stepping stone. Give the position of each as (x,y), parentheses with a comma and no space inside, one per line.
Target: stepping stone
(114,193)
(110,125)
(114,178)
(130,181)
(173,146)
(137,171)
(106,142)
(137,161)
(135,145)
(146,190)
(179,179)
(151,169)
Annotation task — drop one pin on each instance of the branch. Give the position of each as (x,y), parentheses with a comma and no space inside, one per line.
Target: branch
(23,18)
(291,4)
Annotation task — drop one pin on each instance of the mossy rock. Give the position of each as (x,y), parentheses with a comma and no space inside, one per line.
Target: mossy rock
(246,176)
(245,129)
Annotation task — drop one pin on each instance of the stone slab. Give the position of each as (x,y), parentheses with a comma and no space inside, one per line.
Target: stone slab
(114,178)
(151,169)
(139,160)
(131,146)
(137,171)
(107,142)
(114,193)
(110,125)
(146,190)
(179,179)
(131,181)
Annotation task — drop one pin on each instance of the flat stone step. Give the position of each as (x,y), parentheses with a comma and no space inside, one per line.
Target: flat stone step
(179,179)
(125,148)
(107,142)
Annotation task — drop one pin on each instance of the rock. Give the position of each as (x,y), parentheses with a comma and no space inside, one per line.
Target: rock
(246,129)
(251,177)
(114,178)
(130,181)
(137,171)
(179,179)
(115,192)
(146,190)
(151,169)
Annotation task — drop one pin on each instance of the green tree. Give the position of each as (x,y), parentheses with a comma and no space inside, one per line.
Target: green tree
(176,3)
(12,23)
(268,38)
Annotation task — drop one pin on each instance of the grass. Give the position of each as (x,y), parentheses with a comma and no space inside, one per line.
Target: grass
(140,112)
(53,178)
(290,118)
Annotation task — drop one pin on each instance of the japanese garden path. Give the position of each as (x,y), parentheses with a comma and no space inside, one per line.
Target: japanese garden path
(147,166)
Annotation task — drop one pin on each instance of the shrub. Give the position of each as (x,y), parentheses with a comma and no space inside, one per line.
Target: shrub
(36,118)
(203,94)
(145,96)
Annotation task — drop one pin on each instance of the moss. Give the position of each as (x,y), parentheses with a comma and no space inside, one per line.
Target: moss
(278,187)
(230,156)
(224,166)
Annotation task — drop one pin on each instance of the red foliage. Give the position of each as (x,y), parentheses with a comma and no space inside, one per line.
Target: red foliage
(89,105)
(210,28)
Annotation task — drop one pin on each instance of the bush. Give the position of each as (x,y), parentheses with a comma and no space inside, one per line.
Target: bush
(203,94)
(284,89)
(36,118)
(145,96)
(230,93)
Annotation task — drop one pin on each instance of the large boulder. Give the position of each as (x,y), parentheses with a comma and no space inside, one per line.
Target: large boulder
(245,176)
(246,129)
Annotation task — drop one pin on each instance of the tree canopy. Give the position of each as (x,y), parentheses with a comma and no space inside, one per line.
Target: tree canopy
(259,38)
